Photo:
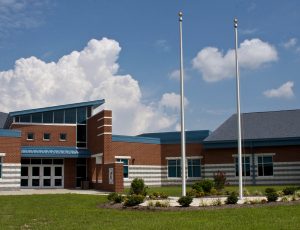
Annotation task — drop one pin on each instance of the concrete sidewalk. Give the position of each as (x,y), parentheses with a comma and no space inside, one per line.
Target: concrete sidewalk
(52,191)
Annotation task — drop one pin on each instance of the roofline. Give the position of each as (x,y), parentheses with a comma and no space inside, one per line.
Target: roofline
(248,143)
(94,104)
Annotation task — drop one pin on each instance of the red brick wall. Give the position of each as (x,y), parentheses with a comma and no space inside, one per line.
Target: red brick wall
(224,156)
(141,153)
(118,185)
(39,131)
(70,173)
(174,150)
(98,124)
(11,146)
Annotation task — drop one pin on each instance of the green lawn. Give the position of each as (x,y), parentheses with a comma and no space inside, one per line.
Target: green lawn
(176,190)
(81,212)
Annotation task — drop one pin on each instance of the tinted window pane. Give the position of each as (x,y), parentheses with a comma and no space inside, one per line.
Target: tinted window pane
(25,161)
(70,116)
(172,162)
(81,145)
(35,171)
(196,171)
(58,182)
(24,171)
(47,136)
(125,171)
(58,171)
(36,182)
(25,118)
(47,182)
(47,171)
(259,159)
(172,171)
(37,118)
(268,159)
(59,116)
(17,119)
(35,161)
(47,161)
(268,170)
(81,115)
(81,133)
(260,170)
(24,182)
(58,161)
(30,136)
(48,117)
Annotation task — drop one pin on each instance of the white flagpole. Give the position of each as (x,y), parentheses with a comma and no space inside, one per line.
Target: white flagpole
(238,112)
(182,111)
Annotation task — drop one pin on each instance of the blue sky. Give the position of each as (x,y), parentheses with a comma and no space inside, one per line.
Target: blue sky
(135,67)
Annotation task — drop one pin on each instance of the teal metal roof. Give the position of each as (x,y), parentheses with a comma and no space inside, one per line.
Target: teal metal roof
(194,136)
(93,104)
(135,139)
(54,152)
(10,133)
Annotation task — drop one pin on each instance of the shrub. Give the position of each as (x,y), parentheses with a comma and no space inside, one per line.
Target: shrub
(158,195)
(219,180)
(284,199)
(112,196)
(289,190)
(272,196)
(163,195)
(246,192)
(213,191)
(217,202)
(163,204)
(197,187)
(138,187)
(199,194)
(232,198)
(269,190)
(207,185)
(185,201)
(263,201)
(115,197)
(203,186)
(133,200)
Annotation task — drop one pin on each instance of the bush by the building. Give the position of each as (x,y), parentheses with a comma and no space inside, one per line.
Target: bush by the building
(138,187)
(232,198)
(185,201)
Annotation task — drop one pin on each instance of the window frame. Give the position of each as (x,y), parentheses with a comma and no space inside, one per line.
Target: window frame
(63,139)
(263,164)
(121,159)
(193,165)
(33,136)
(243,165)
(46,139)
(177,167)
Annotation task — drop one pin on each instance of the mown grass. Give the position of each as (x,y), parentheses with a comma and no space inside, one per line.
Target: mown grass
(176,190)
(70,211)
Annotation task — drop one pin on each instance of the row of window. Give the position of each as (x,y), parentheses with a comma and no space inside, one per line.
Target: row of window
(47,136)
(68,116)
(264,166)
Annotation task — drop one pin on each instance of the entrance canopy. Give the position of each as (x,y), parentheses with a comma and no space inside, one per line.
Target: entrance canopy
(54,152)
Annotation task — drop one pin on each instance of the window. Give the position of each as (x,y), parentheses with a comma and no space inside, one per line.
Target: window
(37,117)
(245,166)
(81,115)
(48,117)
(174,168)
(59,116)
(0,167)
(62,136)
(70,116)
(125,166)
(194,168)
(265,165)
(25,118)
(47,136)
(30,136)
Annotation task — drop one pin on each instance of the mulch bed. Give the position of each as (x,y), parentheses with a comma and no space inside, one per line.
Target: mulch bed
(196,208)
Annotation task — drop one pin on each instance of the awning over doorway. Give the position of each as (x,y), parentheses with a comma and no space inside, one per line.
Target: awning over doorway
(54,152)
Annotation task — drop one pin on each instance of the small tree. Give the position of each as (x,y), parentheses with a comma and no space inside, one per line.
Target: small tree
(138,187)
(220,180)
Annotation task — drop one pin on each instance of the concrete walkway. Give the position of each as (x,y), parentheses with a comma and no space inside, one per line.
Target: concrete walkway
(52,191)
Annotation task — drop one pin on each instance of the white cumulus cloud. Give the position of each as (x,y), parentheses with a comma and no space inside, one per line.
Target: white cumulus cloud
(172,101)
(215,65)
(284,91)
(292,42)
(89,74)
